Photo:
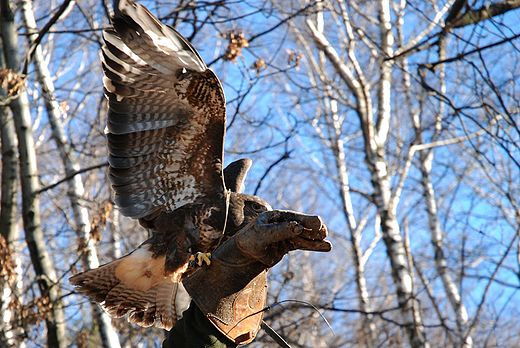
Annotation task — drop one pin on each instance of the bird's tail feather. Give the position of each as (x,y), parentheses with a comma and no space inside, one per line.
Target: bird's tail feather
(135,287)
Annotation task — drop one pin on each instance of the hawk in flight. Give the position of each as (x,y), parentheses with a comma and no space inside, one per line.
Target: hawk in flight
(165,134)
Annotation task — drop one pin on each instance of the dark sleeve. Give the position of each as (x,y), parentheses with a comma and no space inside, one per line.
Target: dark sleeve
(194,330)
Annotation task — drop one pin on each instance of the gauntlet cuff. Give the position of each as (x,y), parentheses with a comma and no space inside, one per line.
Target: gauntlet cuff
(231,293)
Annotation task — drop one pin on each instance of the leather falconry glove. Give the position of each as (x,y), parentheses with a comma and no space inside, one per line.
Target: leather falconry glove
(231,292)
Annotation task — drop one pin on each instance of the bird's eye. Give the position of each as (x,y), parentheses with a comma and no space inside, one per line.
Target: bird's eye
(256,207)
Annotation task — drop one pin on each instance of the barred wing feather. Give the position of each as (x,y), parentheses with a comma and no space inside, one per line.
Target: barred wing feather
(166,118)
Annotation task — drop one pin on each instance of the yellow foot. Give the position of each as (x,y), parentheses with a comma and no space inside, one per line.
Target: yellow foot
(199,258)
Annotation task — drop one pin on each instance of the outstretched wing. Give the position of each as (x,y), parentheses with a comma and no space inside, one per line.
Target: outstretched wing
(166,118)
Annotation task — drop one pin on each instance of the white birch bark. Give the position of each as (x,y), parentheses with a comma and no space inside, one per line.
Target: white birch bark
(369,326)
(76,189)
(9,211)
(10,284)
(115,233)
(46,276)
(387,205)
(337,147)
(375,136)
(12,333)
(426,159)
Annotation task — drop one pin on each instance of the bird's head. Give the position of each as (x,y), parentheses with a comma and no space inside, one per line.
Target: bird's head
(243,209)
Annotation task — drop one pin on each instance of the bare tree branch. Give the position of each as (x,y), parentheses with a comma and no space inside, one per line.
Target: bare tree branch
(456,19)
(70,176)
(43,32)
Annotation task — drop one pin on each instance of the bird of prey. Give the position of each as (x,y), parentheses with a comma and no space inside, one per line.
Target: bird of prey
(165,133)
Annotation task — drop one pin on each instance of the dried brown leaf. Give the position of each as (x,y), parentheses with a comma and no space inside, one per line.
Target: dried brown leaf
(237,41)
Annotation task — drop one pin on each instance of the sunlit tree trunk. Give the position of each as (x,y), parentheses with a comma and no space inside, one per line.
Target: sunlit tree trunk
(9,211)
(9,278)
(386,204)
(426,160)
(369,327)
(11,271)
(375,136)
(76,190)
(12,331)
(46,276)
(337,146)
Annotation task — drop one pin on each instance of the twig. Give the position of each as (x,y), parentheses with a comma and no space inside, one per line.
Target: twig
(42,33)
(68,177)
(284,156)
(431,66)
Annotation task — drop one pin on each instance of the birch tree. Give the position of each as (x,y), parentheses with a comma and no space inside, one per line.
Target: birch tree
(8,216)
(375,133)
(47,279)
(389,151)
(76,190)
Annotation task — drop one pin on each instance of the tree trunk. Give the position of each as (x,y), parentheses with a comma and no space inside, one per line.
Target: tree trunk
(337,147)
(426,159)
(387,205)
(9,211)
(9,278)
(363,298)
(76,190)
(42,264)
(375,140)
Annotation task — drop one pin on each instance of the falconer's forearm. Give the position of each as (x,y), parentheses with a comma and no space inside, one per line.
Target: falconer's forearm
(194,330)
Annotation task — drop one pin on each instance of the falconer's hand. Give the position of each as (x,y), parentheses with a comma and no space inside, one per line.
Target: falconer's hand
(231,292)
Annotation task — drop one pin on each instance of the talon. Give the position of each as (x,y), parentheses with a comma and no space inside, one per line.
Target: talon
(199,258)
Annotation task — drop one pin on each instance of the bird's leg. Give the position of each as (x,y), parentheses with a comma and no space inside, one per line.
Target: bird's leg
(199,258)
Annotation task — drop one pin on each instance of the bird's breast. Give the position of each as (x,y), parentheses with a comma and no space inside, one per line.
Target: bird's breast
(209,233)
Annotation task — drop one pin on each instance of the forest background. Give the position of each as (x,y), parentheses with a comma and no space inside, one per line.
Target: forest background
(396,121)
